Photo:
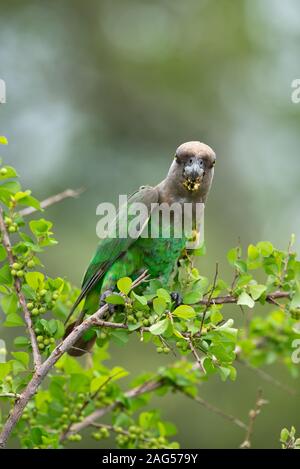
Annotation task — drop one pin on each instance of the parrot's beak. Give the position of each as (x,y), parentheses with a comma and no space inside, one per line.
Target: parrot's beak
(193,175)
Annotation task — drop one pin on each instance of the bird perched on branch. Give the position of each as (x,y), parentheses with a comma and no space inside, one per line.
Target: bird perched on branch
(188,182)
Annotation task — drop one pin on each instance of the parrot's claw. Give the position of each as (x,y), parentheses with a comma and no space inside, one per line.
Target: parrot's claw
(177,298)
(111,308)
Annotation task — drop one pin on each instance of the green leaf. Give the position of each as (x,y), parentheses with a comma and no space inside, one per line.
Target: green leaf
(79,383)
(124,285)
(4,370)
(11,187)
(21,341)
(233,255)
(216,316)
(245,300)
(97,383)
(3,253)
(266,248)
(30,201)
(141,299)
(162,293)
(35,279)
(13,320)
(40,227)
(159,327)
(224,372)
(192,297)
(9,303)
(3,140)
(5,275)
(284,435)
(253,252)
(22,357)
(9,173)
(115,299)
(119,337)
(159,305)
(184,312)
(256,291)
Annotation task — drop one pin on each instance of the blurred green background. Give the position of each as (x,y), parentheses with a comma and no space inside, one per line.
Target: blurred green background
(100,94)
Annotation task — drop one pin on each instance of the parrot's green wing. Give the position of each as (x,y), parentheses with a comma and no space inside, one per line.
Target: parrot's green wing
(111,247)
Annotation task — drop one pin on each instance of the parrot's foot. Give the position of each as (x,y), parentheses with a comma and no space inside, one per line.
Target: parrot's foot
(111,308)
(177,298)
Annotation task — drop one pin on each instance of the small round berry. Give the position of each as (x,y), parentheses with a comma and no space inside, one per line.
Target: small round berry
(8,220)
(159,349)
(20,273)
(3,171)
(30,264)
(30,306)
(13,272)
(35,311)
(16,266)
(41,346)
(166,350)
(40,338)
(46,342)
(12,229)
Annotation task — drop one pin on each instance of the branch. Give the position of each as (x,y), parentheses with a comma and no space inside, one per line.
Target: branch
(18,288)
(220,300)
(54,199)
(252,417)
(148,386)
(42,371)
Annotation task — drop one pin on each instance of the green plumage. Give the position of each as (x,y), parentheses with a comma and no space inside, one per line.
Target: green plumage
(127,257)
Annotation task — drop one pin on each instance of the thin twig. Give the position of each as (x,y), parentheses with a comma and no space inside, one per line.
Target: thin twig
(216,410)
(54,199)
(194,352)
(267,377)
(10,394)
(252,417)
(18,288)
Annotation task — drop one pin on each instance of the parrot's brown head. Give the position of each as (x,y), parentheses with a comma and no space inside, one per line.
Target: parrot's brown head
(193,168)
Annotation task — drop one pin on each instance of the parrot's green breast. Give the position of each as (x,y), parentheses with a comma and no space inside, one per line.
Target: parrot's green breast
(157,255)
(160,254)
